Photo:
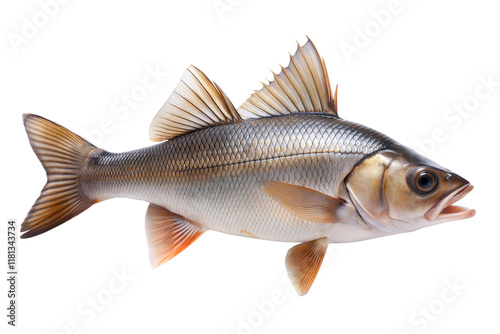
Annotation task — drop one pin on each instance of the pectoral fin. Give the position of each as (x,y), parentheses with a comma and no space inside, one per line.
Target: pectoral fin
(306,203)
(303,262)
(168,234)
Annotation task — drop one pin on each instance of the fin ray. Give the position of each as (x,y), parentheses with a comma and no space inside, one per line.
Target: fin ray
(168,234)
(61,153)
(306,203)
(196,103)
(303,262)
(303,86)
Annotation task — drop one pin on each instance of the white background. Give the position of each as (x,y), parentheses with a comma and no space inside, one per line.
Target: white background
(426,58)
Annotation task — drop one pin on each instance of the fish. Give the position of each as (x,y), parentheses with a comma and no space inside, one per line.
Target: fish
(284,166)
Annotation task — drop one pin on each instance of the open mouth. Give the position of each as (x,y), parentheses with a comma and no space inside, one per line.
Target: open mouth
(444,210)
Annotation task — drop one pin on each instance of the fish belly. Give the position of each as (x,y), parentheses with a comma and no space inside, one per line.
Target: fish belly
(231,199)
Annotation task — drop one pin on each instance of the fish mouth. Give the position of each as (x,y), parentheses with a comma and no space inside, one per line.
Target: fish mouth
(444,210)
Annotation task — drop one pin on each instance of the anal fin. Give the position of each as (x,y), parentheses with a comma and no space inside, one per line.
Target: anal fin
(303,262)
(168,234)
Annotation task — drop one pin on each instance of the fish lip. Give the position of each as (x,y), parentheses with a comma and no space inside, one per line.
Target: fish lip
(444,211)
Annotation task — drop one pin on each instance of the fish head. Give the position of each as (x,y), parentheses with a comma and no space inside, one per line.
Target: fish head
(399,190)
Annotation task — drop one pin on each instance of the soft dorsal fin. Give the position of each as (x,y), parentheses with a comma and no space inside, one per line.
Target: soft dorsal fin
(196,103)
(303,86)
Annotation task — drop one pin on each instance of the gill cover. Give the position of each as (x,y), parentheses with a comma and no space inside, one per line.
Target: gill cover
(366,187)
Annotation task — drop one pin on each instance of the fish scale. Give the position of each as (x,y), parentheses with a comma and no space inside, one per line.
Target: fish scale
(196,174)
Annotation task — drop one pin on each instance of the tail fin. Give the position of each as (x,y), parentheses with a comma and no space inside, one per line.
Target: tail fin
(61,153)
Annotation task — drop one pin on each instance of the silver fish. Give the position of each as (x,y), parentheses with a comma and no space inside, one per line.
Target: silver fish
(284,167)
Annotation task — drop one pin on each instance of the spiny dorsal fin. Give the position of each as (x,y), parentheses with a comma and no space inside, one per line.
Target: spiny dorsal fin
(303,86)
(196,103)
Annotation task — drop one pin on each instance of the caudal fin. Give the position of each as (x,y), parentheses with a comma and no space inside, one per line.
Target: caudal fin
(61,153)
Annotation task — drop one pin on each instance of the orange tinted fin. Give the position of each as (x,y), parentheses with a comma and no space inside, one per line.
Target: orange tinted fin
(62,154)
(303,262)
(168,234)
(248,234)
(306,203)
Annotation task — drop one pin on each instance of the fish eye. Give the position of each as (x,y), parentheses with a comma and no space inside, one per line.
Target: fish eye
(422,181)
